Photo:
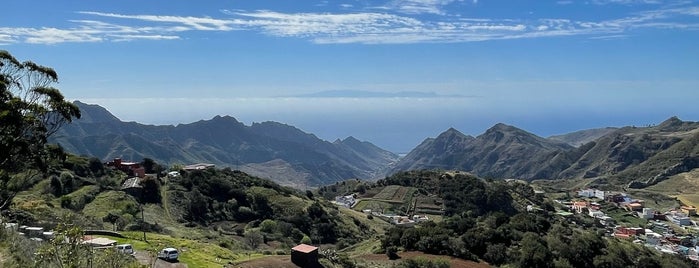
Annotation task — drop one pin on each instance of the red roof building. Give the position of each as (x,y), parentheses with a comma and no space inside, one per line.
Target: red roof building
(304,255)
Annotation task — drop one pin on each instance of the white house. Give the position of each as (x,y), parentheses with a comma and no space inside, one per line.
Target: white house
(345,201)
(647,213)
(589,193)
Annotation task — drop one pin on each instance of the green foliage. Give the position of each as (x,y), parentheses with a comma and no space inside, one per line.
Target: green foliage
(268,226)
(533,252)
(392,253)
(151,190)
(253,238)
(306,240)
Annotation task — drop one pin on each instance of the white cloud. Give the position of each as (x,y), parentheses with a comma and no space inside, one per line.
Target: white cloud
(359,27)
(420,6)
(626,2)
(196,23)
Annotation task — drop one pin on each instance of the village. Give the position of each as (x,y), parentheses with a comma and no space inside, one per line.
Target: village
(672,231)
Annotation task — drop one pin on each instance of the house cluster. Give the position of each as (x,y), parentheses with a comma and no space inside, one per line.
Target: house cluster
(398,220)
(33,233)
(406,221)
(660,237)
(592,209)
(658,233)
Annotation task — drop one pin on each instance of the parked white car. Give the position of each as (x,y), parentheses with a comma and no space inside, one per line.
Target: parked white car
(168,254)
(125,248)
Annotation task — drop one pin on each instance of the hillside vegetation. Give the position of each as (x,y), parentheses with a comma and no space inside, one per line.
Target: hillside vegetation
(269,149)
(631,156)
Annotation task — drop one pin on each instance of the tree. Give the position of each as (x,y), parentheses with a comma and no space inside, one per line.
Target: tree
(111,218)
(533,252)
(253,238)
(31,110)
(151,190)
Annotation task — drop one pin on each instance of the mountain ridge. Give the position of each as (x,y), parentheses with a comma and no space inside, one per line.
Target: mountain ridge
(223,140)
(629,155)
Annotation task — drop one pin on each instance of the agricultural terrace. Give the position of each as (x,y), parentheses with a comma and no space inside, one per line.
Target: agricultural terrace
(394,199)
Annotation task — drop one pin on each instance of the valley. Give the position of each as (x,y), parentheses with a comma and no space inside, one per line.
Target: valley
(79,187)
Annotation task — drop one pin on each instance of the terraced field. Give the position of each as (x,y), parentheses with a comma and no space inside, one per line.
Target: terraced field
(400,199)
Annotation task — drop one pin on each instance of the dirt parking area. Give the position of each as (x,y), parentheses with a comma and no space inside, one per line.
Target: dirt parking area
(151,261)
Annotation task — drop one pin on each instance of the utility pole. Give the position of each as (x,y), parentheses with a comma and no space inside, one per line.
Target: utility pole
(143,224)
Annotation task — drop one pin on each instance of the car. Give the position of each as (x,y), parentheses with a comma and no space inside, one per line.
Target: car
(168,254)
(125,248)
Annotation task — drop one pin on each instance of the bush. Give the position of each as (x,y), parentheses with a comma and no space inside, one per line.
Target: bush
(268,226)
(392,253)
(306,240)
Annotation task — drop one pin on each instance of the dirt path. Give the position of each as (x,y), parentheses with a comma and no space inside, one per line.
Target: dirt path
(149,261)
(166,206)
(270,262)
(164,264)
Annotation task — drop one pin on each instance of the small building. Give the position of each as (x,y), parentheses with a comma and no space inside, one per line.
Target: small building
(634,206)
(614,197)
(653,238)
(99,242)
(304,255)
(34,231)
(596,214)
(647,213)
(689,210)
(420,218)
(679,219)
(580,206)
(132,186)
(199,166)
(130,168)
(624,232)
(345,201)
(591,193)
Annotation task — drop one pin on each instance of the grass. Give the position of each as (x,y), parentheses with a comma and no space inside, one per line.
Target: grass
(387,193)
(193,253)
(375,205)
(684,187)
(116,202)
(376,225)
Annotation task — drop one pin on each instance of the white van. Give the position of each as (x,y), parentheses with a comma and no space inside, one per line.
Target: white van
(125,248)
(169,254)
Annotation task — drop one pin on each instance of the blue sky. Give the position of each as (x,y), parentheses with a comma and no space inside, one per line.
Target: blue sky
(390,72)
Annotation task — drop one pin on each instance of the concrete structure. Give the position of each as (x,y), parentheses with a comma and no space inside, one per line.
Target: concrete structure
(304,255)
(647,213)
(132,186)
(591,193)
(679,219)
(99,242)
(199,166)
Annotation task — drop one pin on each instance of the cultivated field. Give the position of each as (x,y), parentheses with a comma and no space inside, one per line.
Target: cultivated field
(395,194)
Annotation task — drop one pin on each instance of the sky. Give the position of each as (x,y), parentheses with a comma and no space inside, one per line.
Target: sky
(390,72)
